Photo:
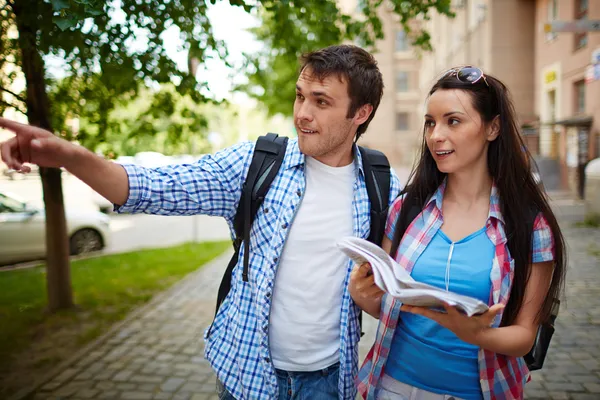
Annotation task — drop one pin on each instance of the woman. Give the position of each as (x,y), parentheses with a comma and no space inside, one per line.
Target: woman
(475,194)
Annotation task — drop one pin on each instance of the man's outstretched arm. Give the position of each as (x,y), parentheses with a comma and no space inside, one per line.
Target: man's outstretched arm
(38,146)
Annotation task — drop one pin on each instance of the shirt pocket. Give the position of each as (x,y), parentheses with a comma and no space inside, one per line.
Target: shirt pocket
(265,227)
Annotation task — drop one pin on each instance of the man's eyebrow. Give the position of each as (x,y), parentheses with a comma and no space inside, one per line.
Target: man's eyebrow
(315,93)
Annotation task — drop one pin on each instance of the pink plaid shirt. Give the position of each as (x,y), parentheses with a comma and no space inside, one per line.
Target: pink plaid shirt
(501,377)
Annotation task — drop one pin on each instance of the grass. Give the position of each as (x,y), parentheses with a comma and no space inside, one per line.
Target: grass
(595,251)
(105,290)
(590,221)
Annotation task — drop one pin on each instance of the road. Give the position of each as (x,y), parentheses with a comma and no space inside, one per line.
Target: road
(129,232)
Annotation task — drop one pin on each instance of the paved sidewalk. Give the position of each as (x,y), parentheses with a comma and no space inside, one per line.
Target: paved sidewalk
(158,353)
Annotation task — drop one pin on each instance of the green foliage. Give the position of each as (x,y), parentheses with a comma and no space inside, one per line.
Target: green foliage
(291,28)
(114,50)
(111,50)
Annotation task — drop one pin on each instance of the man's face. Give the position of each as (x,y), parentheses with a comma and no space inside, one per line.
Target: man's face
(320,116)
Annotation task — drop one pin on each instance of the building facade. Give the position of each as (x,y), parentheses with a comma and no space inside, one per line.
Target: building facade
(567,87)
(397,124)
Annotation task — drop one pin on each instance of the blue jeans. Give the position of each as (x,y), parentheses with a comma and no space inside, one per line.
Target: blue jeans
(314,385)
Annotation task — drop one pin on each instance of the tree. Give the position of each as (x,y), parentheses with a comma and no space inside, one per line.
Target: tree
(96,39)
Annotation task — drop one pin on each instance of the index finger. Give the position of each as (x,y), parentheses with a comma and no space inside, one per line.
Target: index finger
(364,269)
(10,124)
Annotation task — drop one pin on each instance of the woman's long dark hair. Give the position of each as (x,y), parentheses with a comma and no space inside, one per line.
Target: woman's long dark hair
(508,165)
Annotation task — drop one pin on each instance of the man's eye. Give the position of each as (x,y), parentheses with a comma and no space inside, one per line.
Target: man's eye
(299,96)
(322,102)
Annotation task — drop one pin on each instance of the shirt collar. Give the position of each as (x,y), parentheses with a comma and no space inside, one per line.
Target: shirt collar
(295,157)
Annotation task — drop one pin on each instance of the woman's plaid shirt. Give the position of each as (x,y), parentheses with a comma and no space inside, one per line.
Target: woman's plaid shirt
(501,377)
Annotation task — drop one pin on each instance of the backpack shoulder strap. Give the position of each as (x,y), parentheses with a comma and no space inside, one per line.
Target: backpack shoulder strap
(377,179)
(266,162)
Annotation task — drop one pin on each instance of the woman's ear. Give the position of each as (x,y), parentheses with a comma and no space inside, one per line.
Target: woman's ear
(493,129)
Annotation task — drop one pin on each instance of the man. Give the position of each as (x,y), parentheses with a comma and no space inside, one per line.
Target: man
(290,330)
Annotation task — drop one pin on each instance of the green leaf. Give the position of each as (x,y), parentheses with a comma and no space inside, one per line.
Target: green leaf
(64,23)
(58,5)
(94,12)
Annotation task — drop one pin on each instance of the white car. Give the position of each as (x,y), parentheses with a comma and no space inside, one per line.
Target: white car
(23,231)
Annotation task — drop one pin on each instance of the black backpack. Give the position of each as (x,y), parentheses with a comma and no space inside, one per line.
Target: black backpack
(266,161)
(536,356)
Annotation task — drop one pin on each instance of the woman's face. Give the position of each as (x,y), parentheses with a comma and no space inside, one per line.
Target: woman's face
(456,135)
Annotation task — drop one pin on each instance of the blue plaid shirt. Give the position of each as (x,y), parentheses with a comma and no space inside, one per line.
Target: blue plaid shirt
(238,344)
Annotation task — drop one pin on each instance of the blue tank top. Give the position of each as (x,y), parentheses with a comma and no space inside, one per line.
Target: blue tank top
(423,353)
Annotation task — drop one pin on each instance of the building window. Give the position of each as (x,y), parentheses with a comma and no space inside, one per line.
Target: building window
(401,81)
(552,16)
(401,41)
(401,121)
(581,12)
(580,97)
(552,105)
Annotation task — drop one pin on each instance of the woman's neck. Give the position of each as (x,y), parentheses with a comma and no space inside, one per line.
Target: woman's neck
(468,188)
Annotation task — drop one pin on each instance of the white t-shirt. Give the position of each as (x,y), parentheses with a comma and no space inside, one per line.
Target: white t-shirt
(304,330)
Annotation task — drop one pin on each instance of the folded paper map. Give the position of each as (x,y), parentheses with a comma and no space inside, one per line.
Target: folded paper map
(396,281)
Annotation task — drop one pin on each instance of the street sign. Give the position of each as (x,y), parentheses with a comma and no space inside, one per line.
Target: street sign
(580,25)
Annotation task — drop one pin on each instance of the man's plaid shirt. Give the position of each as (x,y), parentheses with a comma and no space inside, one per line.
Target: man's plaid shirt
(238,344)
(501,377)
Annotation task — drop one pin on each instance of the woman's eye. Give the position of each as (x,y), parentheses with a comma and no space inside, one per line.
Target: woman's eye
(429,124)
(453,121)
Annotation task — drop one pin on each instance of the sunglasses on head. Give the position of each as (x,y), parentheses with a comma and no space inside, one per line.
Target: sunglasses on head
(467,74)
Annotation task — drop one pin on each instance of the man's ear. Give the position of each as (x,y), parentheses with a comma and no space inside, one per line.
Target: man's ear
(363,114)
(494,129)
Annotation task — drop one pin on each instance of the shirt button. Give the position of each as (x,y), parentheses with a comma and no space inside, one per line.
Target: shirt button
(267,359)
(266,210)
(275,259)
(268,294)
(285,225)
(299,192)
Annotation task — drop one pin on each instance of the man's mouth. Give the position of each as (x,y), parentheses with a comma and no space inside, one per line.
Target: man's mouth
(307,131)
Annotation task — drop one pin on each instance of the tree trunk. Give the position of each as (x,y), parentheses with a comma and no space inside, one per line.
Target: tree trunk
(58,273)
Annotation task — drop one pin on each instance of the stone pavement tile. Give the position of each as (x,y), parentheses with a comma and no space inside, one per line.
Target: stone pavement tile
(559,396)
(137,395)
(199,396)
(108,395)
(536,394)
(563,387)
(584,396)
(592,387)
(182,396)
(87,393)
(172,384)
(587,378)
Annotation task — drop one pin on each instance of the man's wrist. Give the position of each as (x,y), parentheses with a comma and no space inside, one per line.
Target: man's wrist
(73,155)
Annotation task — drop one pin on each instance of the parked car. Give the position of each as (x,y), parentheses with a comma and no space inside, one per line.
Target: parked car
(23,230)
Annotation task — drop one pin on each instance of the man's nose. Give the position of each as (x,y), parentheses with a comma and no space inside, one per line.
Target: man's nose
(304,111)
